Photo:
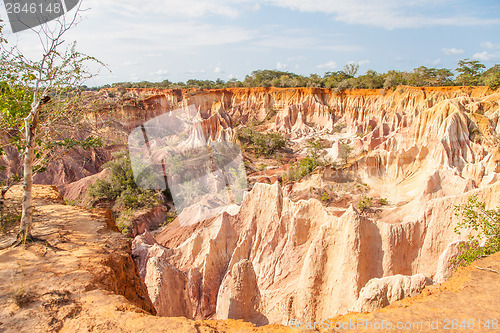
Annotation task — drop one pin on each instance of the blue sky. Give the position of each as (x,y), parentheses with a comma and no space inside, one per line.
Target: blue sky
(208,39)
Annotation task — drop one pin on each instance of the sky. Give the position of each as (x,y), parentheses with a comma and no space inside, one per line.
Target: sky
(178,40)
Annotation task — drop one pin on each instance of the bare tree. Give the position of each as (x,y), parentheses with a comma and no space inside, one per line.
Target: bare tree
(46,79)
(351,69)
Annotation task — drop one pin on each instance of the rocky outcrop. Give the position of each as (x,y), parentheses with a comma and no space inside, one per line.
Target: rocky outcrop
(160,275)
(149,220)
(379,293)
(446,266)
(239,295)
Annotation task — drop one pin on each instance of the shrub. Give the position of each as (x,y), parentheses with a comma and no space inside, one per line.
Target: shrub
(121,189)
(325,197)
(339,127)
(124,221)
(486,227)
(365,204)
(347,150)
(265,144)
(23,297)
(383,201)
(315,157)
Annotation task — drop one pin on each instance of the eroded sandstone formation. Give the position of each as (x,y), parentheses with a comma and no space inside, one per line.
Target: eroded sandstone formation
(424,149)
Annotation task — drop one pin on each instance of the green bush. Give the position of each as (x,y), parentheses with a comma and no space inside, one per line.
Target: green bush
(265,144)
(315,158)
(122,191)
(486,227)
(365,204)
(383,201)
(491,77)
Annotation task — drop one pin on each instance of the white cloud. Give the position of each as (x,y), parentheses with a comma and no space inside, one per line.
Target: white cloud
(328,65)
(173,8)
(164,37)
(218,69)
(452,51)
(194,71)
(435,62)
(360,63)
(161,72)
(281,66)
(483,56)
(295,59)
(388,14)
(131,63)
(490,46)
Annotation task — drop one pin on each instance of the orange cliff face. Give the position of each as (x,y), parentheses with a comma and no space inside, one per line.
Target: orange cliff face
(246,104)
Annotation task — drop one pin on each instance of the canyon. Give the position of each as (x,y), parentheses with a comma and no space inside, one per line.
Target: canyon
(305,249)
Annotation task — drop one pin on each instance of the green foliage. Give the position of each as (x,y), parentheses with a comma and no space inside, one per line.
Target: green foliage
(365,204)
(272,112)
(314,159)
(491,77)
(121,187)
(383,201)
(338,128)
(265,144)
(171,216)
(325,197)
(68,143)
(124,221)
(351,69)
(485,227)
(346,150)
(470,72)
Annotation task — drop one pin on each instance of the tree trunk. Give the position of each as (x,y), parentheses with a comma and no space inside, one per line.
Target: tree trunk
(29,156)
(3,192)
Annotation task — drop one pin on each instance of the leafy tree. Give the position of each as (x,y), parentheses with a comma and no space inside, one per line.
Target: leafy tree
(265,144)
(371,80)
(346,151)
(444,77)
(491,77)
(315,158)
(470,72)
(485,225)
(47,79)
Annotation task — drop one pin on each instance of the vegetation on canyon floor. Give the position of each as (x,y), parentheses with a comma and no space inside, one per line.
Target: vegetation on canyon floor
(121,192)
(265,144)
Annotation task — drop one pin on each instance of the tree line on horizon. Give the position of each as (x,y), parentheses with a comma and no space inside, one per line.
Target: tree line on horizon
(468,73)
